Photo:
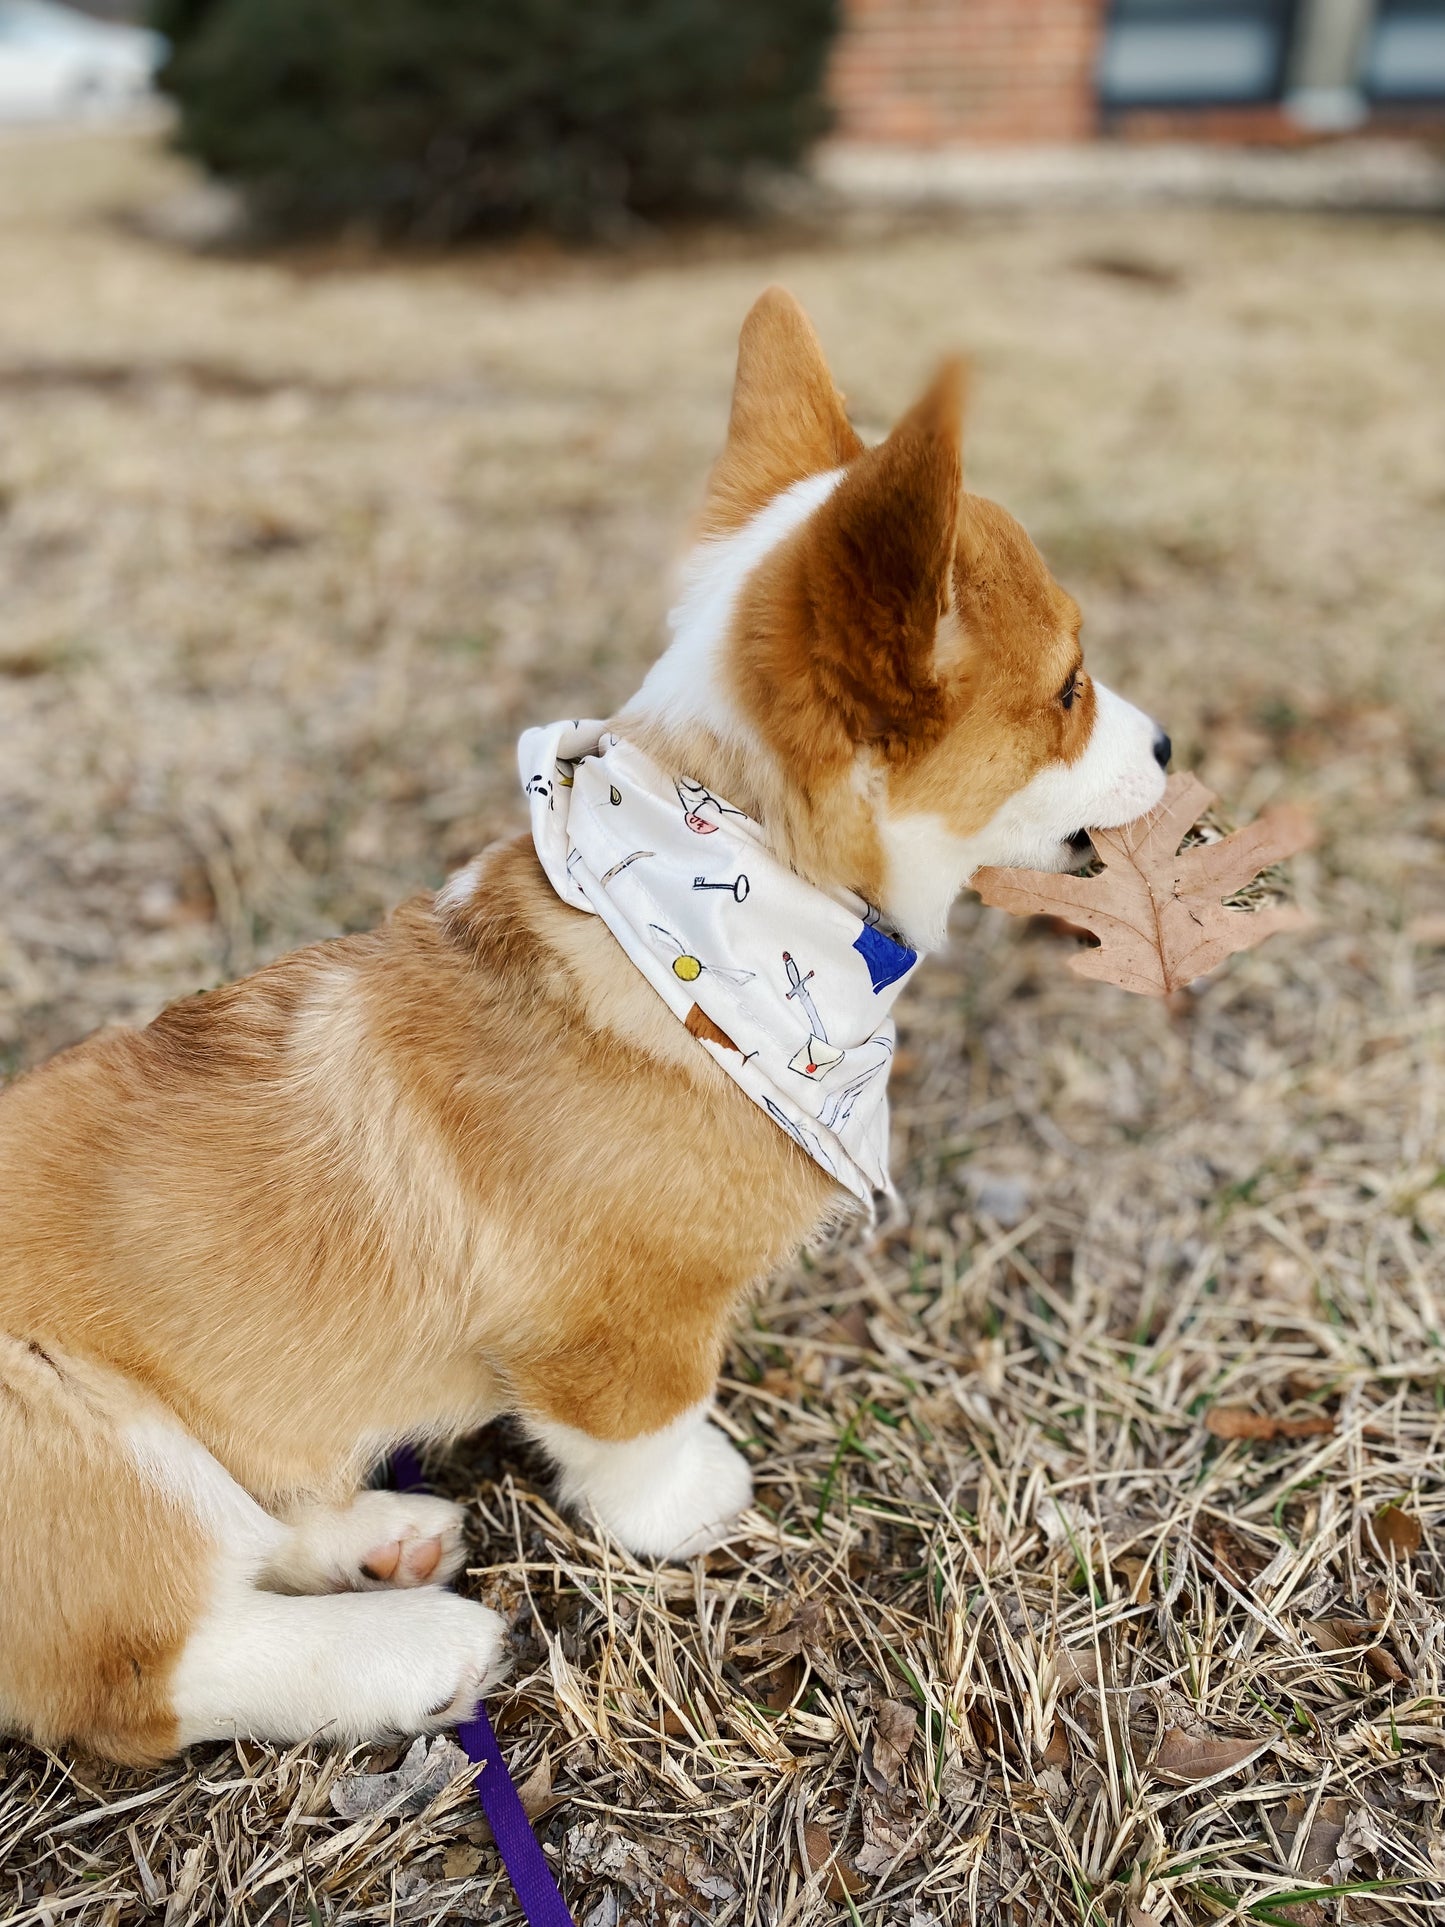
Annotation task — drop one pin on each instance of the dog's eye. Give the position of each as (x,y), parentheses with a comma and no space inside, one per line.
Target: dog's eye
(1070,690)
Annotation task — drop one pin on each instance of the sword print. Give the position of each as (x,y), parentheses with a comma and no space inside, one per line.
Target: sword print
(805,1001)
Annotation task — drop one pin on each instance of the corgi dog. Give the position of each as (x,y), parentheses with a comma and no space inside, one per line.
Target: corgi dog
(392,1186)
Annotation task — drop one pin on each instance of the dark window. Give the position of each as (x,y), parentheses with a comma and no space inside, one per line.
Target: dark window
(1191,53)
(1405,55)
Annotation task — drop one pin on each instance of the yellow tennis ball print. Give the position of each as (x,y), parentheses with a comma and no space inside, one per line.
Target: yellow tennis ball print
(688,968)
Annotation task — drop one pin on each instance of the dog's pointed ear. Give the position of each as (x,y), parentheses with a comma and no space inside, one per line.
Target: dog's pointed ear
(787,419)
(876,565)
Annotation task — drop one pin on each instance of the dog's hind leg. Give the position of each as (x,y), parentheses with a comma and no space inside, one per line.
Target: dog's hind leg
(134,1615)
(100,1579)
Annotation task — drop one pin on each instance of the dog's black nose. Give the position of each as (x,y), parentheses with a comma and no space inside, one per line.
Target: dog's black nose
(1163,748)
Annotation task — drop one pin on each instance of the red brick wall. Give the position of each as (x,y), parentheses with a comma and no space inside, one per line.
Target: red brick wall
(922,71)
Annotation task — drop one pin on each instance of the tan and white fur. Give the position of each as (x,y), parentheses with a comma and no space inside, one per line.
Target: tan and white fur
(323,1210)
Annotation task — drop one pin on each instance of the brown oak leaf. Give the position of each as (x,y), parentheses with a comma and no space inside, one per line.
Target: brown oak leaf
(1158,911)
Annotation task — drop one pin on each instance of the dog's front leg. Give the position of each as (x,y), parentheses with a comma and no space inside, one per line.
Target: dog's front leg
(668,1493)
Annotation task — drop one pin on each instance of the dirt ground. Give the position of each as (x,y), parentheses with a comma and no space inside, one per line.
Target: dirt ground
(290,551)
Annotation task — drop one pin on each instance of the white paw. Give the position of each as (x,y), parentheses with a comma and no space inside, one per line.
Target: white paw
(431,1656)
(344,1666)
(668,1495)
(382,1539)
(467,1655)
(687,1503)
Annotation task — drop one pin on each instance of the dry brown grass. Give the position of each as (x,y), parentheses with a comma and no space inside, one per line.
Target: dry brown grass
(289,554)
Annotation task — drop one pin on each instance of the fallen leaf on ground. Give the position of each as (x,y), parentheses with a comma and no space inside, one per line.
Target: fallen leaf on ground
(596,1850)
(1361,1840)
(842,1881)
(1138,1576)
(1238,1422)
(958,1786)
(1384,1665)
(1316,1856)
(536,1795)
(894,1725)
(704,1879)
(460,1862)
(1056,1753)
(1200,1756)
(783,1684)
(606,1913)
(423,1774)
(1076,1666)
(1394,1533)
(852,1327)
(792,1626)
(1238,1561)
(1158,911)
(1340,1635)
(535,1792)
(891,1836)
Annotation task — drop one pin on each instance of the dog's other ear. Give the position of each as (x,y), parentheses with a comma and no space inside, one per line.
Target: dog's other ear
(874,568)
(787,420)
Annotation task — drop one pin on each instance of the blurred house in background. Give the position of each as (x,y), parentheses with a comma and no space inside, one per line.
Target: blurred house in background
(60,64)
(956,73)
(986,72)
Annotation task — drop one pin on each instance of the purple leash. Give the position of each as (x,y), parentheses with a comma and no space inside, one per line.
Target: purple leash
(521,1851)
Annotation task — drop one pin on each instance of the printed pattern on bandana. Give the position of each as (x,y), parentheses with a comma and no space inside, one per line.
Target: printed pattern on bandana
(787,987)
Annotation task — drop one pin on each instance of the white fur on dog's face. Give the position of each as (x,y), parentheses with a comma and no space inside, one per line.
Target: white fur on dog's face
(1117,778)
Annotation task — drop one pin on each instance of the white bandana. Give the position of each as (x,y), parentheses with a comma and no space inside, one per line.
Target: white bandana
(788,987)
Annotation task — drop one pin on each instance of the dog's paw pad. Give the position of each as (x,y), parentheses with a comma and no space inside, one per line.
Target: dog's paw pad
(381,1562)
(381,1540)
(411,1559)
(420,1559)
(404,1562)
